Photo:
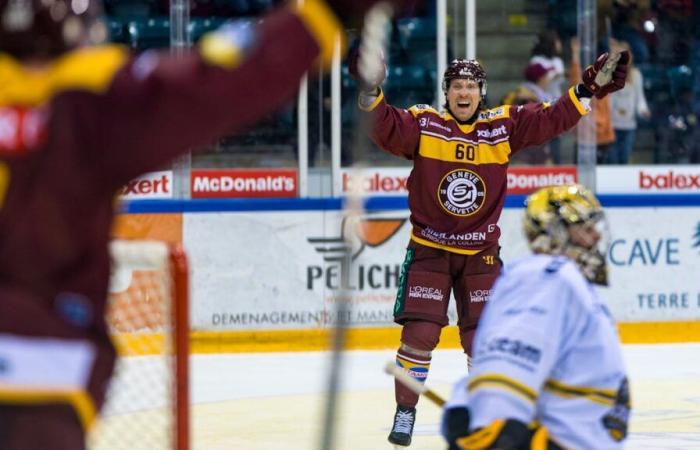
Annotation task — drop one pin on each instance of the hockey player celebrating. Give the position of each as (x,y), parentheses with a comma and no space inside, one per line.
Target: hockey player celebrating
(547,350)
(456,192)
(77,123)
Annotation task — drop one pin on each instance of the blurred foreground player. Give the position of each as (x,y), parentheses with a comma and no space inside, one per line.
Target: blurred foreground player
(456,192)
(547,351)
(76,123)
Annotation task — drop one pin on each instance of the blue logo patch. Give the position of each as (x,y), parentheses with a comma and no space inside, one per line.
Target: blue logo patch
(696,237)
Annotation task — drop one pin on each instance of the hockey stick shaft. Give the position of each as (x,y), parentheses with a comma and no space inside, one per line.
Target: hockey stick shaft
(374,36)
(417,387)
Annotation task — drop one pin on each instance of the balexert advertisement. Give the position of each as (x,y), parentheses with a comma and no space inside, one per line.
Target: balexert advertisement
(393,181)
(286,270)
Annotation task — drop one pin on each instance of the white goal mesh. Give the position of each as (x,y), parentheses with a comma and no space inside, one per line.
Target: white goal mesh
(146,405)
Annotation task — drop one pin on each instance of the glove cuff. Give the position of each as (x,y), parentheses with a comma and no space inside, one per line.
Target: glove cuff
(582,91)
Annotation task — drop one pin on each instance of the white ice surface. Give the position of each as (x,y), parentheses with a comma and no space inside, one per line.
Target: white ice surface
(246,401)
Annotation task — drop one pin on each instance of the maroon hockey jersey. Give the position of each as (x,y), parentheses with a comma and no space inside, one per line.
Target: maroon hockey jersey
(74,132)
(457,186)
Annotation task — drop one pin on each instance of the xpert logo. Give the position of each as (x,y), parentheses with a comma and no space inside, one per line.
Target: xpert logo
(338,251)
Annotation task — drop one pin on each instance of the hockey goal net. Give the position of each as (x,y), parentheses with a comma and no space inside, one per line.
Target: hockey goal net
(147,401)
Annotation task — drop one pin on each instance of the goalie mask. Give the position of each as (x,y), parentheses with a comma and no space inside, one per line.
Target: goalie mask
(467,69)
(568,220)
(45,29)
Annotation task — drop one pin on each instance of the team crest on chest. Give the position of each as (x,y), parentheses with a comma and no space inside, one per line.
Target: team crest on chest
(461,192)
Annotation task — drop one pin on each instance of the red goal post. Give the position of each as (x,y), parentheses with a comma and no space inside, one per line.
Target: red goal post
(147,404)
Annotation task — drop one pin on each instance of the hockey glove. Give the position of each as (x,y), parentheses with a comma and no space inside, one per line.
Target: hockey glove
(501,434)
(368,74)
(455,425)
(607,74)
(455,417)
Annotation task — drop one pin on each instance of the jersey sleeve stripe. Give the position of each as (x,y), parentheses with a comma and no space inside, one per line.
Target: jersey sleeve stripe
(503,383)
(374,104)
(602,396)
(577,103)
(323,25)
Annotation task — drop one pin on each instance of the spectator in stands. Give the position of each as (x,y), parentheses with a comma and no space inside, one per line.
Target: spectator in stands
(677,130)
(562,17)
(605,134)
(626,105)
(535,89)
(627,26)
(79,123)
(674,33)
(547,52)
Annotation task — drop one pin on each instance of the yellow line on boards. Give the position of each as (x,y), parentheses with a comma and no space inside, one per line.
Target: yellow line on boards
(367,338)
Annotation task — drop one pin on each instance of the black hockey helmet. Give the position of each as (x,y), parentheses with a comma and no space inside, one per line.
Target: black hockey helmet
(45,29)
(468,69)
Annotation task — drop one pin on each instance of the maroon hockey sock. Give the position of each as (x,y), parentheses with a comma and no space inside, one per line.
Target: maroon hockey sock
(418,367)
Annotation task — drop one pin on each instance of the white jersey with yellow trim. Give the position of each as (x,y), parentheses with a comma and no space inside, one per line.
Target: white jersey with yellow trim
(547,350)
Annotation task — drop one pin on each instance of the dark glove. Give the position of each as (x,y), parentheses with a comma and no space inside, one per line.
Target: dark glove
(369,78)
(455,424)
(607,74)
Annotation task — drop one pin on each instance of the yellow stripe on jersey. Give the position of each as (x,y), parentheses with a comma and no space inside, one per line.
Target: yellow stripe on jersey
(432,244)
(504,383)
(218,50)
(439,148)
(4,181)
(540,439)
(601,396)
(374,103)
(90,69)
(323,25)
(577,102)
(483,438)
(79,400)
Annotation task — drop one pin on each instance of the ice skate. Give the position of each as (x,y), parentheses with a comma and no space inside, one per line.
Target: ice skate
(401,432)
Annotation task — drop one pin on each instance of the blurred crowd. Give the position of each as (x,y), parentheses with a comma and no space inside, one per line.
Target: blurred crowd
(662,97)
(652,120)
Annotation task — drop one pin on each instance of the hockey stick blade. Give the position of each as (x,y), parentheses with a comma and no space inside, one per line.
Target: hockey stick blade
(417,387)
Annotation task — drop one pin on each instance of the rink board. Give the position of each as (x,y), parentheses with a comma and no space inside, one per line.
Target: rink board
(266,274)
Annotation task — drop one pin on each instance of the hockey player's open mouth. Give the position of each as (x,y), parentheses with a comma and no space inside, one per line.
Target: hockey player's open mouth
(464,105)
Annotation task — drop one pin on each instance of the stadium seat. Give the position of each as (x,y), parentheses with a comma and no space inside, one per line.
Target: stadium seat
(413,77)
(680,79)
(259,6)
(200,25)
(117,31)
(416,30)
(417,37)
(149,33)
(655,77)
(235,7)
(130,8)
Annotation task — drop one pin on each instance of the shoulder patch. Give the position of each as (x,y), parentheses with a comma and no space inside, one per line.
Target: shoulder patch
(421,108)
(495,113)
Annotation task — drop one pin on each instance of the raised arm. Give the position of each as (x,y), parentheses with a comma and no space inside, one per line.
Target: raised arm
(394,130)
(159,106)
(537,123)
